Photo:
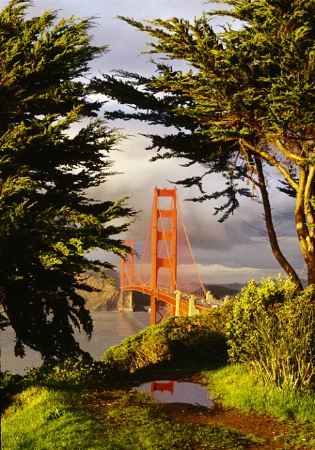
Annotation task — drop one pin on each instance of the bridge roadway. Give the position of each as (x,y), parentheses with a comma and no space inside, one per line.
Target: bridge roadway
(169,297)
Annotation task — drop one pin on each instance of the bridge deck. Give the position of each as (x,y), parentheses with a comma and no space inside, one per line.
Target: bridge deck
(169,298)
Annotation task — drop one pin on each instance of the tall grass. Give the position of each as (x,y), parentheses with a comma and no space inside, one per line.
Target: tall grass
(240,387)
(285,345)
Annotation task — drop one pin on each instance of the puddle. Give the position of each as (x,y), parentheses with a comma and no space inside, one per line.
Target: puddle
(177,392)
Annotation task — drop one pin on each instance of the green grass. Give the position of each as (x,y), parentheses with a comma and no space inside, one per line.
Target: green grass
(42,419)
(237,386)
(67,406)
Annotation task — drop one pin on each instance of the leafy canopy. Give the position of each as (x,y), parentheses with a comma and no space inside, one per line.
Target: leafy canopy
(54,148)
(242,101)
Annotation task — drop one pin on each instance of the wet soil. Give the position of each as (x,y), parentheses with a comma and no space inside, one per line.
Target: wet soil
(263,427)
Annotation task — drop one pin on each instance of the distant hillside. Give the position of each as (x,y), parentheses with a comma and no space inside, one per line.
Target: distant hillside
(222,290)
(231,289)
(106,299)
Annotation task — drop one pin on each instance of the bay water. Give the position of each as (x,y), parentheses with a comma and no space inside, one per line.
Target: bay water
(110,328)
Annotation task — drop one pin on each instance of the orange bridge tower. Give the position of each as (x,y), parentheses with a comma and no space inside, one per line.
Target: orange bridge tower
(164,249)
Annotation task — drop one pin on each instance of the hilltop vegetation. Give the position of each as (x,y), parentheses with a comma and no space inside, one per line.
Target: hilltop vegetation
(200,338)
(269,327)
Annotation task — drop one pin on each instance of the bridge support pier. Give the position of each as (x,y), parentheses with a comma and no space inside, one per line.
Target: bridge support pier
(126,301)
(177,300)
(191,306)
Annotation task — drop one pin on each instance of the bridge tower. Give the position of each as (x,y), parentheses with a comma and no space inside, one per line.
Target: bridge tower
(127,265)
(158,276)
(164,250)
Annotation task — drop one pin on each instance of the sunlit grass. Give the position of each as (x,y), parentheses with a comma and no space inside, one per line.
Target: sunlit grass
(239,387)
(43,419)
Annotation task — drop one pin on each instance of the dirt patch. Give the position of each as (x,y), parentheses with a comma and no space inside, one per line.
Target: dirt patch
(263,427)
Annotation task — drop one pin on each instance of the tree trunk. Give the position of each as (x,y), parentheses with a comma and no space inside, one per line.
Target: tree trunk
(270,228)
(311,275)
(305,219)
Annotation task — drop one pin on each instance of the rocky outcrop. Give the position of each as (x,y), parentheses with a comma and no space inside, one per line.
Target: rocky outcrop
(104,298)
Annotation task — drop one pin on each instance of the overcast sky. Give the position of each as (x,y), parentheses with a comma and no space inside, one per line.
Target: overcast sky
(231,252)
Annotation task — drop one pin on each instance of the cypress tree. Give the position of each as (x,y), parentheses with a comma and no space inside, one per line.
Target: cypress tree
(54,149)
(244,104)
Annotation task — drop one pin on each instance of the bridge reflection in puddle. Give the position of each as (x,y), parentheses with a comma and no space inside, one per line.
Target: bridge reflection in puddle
(177,392)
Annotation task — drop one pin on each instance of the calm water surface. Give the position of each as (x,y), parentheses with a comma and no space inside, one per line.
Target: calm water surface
(110,328)
(177,392)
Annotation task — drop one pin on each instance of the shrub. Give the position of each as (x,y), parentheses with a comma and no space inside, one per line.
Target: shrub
(70,373)
(140,350)
(10,384)
(200,337)
(271,327)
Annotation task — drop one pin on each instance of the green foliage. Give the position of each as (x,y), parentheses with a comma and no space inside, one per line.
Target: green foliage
(200,337)
(239,386)
(53,150)
(241,100)
(71,374)
(197,338)
(271,328)
(141,350)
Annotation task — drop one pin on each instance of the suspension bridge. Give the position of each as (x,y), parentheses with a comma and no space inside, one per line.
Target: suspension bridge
(168,272)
